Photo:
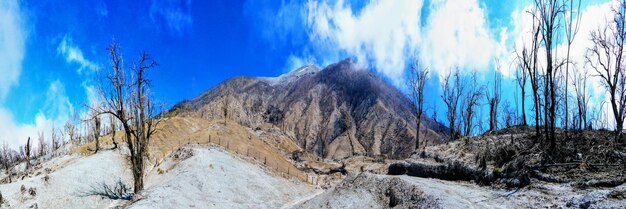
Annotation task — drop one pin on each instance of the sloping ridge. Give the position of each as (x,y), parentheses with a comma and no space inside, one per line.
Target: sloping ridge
(336,112)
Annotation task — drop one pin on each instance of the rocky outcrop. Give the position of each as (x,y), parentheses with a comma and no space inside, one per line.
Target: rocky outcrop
(367,190)
(335,112)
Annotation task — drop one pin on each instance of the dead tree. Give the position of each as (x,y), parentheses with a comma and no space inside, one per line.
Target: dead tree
(42,144)
(27,149)
(548,12)
(70,130)
(528,58)
(521,77)
(606,58)
(470,103)
(225,105)
(571,29)
(56,139)
(416,81)
(6,159)
(130,102)
(452,92)
(143,108)
(96,130)
(113,125)
(508,115)
(579,83)
(493,98)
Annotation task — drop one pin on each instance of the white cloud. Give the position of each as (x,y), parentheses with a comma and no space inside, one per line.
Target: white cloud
(456,34)
(12,45)
(54,113)
(295,62)
(73,54)
(387,35)
(176,14)
(384,34)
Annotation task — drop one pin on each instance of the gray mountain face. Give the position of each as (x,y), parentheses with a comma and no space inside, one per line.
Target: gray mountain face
(335,112)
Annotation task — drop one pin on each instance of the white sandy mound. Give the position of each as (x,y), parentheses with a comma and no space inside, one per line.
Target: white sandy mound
(71,177)
(211,177)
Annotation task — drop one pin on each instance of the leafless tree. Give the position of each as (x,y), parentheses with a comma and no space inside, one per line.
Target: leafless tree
(95,117)
(521,77)
(470,103)
(579,83)
(494,96)
(70,129)
(548,13)
(114,128)
(130,102)
(27,150)
(6,159)
(417,79)
(42,144)
(571,29)
(606,58)
(56,139)
(508,115)
(529,61)
(452,92)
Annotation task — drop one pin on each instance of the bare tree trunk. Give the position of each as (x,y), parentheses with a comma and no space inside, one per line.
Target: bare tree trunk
(494,98)
(27,149)
(130,103)
(417,80)
(452,90)
(548,14)
(96,132)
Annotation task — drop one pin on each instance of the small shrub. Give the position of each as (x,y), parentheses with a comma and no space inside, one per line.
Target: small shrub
(119,191)
(1,199)
(32,191)
(160,171)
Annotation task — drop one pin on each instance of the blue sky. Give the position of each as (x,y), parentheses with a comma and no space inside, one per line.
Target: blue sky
(50,51)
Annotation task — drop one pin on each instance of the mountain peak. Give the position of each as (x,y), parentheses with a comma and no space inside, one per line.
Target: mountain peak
(286,78)
(336,112)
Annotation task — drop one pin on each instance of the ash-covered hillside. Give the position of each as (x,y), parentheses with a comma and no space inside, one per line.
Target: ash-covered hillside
(335,112)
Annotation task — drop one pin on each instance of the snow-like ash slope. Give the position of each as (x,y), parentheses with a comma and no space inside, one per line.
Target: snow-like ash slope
(69,179)
(337,112)
(210,177)
(380,191)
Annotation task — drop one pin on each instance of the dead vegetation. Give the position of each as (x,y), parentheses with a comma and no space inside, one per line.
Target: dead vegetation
(117,191)
(515,157)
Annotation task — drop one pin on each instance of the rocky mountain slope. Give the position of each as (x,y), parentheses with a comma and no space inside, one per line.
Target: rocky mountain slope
(335,112)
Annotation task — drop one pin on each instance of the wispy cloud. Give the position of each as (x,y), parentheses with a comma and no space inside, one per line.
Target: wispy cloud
(175,14)
(13,37)
(457,34)
(389,35)
(12,45)
(54,114)
(384,34)
(73,54)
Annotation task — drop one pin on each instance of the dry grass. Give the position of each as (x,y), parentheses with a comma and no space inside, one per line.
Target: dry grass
(580,157)
(267,148)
